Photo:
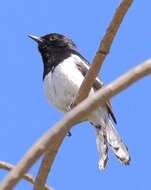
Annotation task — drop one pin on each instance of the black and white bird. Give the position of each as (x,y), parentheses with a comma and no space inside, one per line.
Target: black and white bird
(64,71)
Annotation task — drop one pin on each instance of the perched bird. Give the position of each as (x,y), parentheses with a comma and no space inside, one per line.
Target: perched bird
(64,71)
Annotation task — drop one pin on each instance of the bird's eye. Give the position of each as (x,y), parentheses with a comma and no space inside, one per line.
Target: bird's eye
(52,38)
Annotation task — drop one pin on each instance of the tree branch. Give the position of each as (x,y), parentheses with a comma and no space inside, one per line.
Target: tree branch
(71,118)
(102,51)
(46,164)
(27,177)
(84,90)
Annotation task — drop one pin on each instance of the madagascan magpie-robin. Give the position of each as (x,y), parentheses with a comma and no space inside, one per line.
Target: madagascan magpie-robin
(64,71)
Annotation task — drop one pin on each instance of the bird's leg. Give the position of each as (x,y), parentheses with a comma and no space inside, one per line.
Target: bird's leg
(69,134)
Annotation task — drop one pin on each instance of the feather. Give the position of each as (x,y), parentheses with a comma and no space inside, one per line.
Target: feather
(116,143)
(83,66)
(102,146)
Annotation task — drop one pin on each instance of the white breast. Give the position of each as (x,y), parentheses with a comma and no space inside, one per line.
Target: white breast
(62,85)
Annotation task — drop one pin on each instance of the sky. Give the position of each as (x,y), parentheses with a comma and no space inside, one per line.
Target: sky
(25,114)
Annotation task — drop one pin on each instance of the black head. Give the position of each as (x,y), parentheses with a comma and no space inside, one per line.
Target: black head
(53,42)
(54,48)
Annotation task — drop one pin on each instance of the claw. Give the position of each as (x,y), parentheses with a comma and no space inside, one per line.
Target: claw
(69,134)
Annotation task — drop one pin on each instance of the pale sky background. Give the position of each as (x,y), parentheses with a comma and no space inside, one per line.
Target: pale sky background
(25,114)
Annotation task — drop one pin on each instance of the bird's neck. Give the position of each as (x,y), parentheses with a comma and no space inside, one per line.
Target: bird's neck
(52,58)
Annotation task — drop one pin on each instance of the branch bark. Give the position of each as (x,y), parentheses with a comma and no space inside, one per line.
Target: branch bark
(102,52)
(27,177)
(46,164)
(71,118)
(85,88)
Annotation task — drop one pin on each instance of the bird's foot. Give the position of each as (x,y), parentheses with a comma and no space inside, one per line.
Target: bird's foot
(69,134)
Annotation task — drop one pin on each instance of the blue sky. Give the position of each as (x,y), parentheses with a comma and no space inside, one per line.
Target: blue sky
(25,114)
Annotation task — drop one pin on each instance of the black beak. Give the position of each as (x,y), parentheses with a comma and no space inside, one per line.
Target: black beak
(36,38)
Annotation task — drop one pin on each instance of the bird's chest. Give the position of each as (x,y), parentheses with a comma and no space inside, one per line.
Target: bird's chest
(62,84)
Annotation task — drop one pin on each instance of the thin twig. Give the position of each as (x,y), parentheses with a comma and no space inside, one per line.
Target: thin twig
(27,177)
(71,118)
(84,90)
(102,51)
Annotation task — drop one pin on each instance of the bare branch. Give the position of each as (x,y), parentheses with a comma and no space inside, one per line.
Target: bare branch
(102,52)
(71,118)
(46,164)
(27,177)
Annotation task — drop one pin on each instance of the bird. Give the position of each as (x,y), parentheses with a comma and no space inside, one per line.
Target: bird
(63,73)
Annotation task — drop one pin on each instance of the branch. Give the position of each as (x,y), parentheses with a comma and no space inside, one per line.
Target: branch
(46,164)
(84,90)
(73,117)
(102,51)
(27,177)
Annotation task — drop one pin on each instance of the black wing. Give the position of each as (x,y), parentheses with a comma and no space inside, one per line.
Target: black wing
(83,66)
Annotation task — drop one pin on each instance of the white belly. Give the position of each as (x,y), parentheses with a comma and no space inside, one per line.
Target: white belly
(62,85)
